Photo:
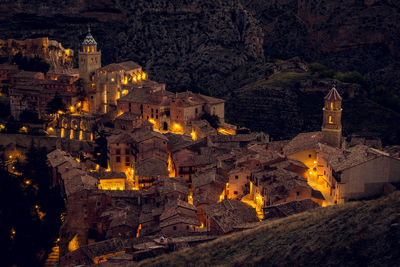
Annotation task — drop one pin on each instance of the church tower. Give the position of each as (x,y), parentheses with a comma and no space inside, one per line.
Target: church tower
(89,58)
(332,121)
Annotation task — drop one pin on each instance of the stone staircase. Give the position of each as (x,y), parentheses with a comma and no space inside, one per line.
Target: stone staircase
(52,259)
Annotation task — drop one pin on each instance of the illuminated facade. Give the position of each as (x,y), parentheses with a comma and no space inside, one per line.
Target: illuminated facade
(75,126)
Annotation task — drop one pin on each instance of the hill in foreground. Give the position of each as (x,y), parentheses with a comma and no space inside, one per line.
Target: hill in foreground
(354,234)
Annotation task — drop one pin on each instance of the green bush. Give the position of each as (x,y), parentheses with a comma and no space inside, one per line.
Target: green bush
(317,67)
(351,77)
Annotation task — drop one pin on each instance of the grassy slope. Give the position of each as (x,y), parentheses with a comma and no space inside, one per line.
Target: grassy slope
(354,234)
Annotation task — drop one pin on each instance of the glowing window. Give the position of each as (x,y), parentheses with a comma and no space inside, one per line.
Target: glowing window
(331,105)
(330,120)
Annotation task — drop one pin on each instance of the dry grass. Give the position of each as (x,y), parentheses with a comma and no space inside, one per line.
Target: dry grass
(363,233)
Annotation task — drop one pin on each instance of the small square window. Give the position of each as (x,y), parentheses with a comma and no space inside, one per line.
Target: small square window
(309,155)
(236,177)
(118,152)
(235,192)
(174,227)
(297,193)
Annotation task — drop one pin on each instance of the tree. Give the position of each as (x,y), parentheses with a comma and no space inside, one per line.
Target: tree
(56,104)
(30,64)
(100,150)
(26,236)
(213,120)
(29,116)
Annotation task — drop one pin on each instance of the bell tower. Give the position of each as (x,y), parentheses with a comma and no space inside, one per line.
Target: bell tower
(332,120)
(89,58)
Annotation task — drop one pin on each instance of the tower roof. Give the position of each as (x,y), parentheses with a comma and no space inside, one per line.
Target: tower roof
(89,40)
(333,95)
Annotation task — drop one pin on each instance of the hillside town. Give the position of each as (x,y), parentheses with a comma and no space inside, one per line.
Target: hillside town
(176,173)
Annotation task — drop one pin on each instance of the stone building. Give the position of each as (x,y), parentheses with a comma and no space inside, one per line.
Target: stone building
(89,58)
(361,172)
(179,220)
(342,173)
(76,126)
(171,112)
(221,218)
(32,91)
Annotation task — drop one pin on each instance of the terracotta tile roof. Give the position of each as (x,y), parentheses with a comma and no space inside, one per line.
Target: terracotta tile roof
(168,185)
(333,95)
(151,168)
(204,126)
(229,213)
(279,182)
(78,183)
(176,211)
(289,208)
(353,156)
(126,217)
(277,145)
(145,217)
(265,157)
(57,157)
(236,138)
(287,163)
(187,99)
(207,176)
(140,136)
(128,116)
(104,247)
(122,138)
(303,141)
(180,219)
(125,66)
(147,96)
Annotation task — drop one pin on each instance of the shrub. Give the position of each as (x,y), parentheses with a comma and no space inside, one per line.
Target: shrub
(351,77)
(317,67)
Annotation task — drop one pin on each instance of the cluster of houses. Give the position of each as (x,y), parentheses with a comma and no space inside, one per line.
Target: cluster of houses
(172,179)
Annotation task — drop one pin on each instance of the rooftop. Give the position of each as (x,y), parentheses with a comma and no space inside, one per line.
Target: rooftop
(151,168)
(89,40)
(124,66)
(333,95)
(353,156)
(229,213)
(302,141)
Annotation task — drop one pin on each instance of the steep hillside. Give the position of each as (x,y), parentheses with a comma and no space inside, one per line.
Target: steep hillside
(365,233)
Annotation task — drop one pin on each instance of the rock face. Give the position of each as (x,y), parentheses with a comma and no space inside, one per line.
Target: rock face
(362,35)
(50,50)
